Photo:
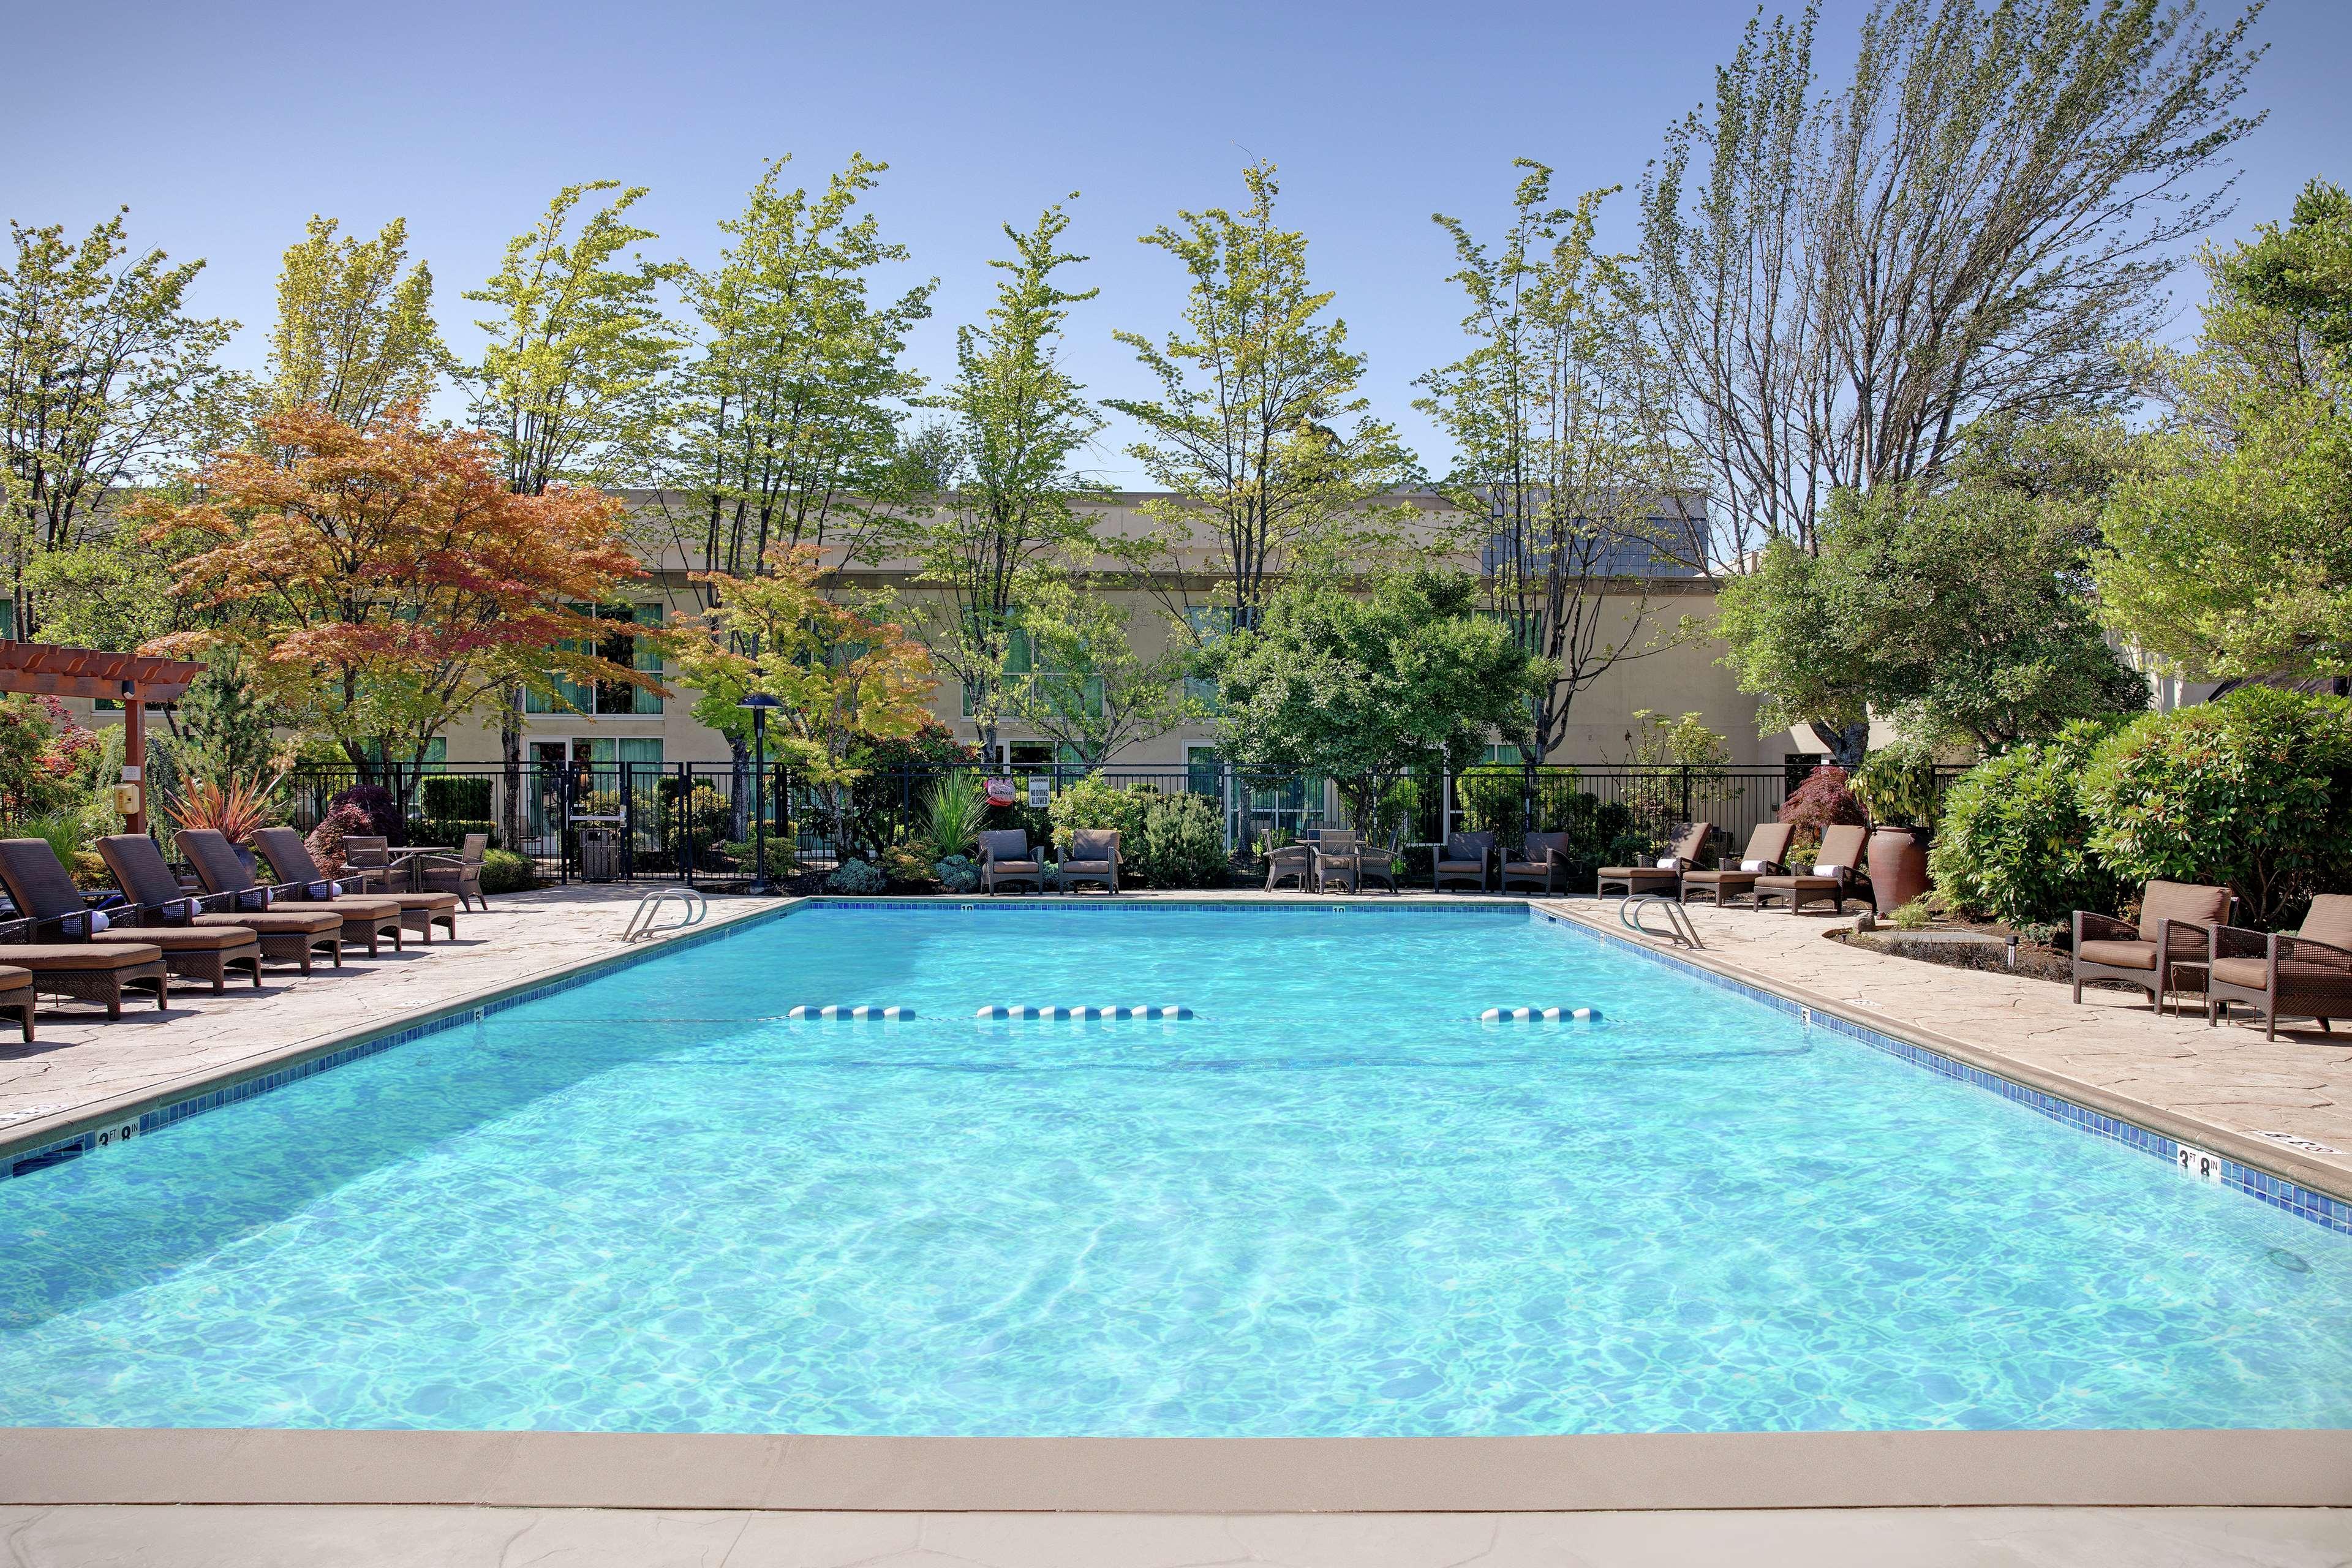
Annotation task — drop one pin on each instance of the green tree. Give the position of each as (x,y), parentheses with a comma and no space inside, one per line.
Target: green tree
(355,333)
(1560,415)
(1259,432)
(105,380)
(1363,688)
(223,726)
(571,378)
(1005,522)
(2228,548)
(1085,684)
(1958,607)
(1848,280)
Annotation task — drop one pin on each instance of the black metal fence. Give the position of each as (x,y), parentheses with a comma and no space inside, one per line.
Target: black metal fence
(695,822)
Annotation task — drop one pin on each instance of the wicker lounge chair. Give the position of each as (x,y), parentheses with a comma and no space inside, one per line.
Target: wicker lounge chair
(1006,861)
(2173,940)
(1632,880)
(1542,864)
(365,920)
(1842,847)
(1093,857)
(18,996)
(1465,857)
(1767,848)
(2307,974)
(419,912)
(41,886)
(286,936)
(460,874)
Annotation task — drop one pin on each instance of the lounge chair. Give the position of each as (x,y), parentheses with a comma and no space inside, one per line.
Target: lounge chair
(2175,934)
(18,996)
(1465,857)
(41,886)
(1542,864)
(1834,878)
(365,920)
(1093,857)
(1666,876)
(460,874)
(85,971)
(2307,974)
(1005,861)
(286,936)
(419,912)
(1768,847)
(1285,862)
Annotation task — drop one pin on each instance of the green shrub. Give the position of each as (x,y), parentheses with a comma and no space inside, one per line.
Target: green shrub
(1184,843)
(782,863)
(2013,842)
(704,815)
(1593,827)
(1916,915)
(453,795)
(504,872)
(958,873)
(2253,791)
(857,877)
(949,825)
(1493,797)
(1896,783)
(1096,801)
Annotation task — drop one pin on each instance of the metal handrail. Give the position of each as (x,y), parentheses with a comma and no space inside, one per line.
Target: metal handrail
(1679,929)
(694,907)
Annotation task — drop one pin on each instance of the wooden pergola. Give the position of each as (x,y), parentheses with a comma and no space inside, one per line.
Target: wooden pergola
(132,680)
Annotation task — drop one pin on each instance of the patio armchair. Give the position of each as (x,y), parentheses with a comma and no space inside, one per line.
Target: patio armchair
(1006,861)
(2173,938)
(1836,875)
(1465,857)
(2306,975)
(460,874)
(39,886)
(367,857)
(1666,876)
(1285,862)
(159,902)
(225,876)
(86,962)
(1093,857)
(18,996)
(1542,864)
(1768,847)
(1344,859)
(419,912)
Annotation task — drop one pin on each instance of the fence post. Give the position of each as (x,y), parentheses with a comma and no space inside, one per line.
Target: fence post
(1688,816)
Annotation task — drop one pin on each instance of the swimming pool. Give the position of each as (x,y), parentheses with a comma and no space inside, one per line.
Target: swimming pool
(1331,1203)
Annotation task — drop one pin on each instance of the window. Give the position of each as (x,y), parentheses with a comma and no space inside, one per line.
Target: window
(610,697)
(437,755)
(1210,622)
(1023,666)
(1506,756)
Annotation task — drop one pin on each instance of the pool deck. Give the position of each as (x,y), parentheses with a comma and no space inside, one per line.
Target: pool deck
(68,1496)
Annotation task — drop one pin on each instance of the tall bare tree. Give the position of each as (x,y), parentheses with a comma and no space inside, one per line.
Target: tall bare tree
(1846,280)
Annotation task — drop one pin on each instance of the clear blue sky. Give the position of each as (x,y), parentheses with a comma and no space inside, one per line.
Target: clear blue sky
(224,127)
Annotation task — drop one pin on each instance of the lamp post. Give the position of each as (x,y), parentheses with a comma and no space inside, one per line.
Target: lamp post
(760,705)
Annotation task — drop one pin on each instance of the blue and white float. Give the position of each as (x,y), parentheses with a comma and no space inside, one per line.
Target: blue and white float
(1002,1010)
(1540,1014)
(860,1011)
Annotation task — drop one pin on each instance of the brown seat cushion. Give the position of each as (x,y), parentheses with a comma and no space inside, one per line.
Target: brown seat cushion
(94,956)
(2255,974)
(352,907)
(1803,881)
(278,922)
(424,900)
(1002,867)
(1460,865)
(2330,920)
(1618,872)
(1733,875)
(2181,902)
(13,978)
(2119,954)
(184,938)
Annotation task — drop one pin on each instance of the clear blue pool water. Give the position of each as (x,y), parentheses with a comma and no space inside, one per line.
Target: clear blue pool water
(1332,1204)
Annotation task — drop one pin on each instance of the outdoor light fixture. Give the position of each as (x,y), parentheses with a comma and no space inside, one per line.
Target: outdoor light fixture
(760,705)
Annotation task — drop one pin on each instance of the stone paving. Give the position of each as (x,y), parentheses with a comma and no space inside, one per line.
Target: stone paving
(82,1059)
(379,1537)
(2300,1084)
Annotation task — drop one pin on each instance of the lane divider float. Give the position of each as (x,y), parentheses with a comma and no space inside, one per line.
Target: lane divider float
(1540,1014)
(860,1011)
(1002,1010)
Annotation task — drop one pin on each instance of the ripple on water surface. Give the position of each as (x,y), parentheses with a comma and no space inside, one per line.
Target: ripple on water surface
(1330,1204)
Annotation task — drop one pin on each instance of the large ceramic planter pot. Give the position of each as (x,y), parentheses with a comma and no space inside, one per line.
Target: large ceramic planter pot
(1898,866)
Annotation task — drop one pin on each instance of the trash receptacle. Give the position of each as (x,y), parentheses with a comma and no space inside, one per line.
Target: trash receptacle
(600,853)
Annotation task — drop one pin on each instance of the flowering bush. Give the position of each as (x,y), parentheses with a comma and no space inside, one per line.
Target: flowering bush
(42,751)
(375,803)
(1824,800)
(325,841)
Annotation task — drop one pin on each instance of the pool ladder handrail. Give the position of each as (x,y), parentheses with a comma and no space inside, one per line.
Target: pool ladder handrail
(1679,929)
(694,907)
